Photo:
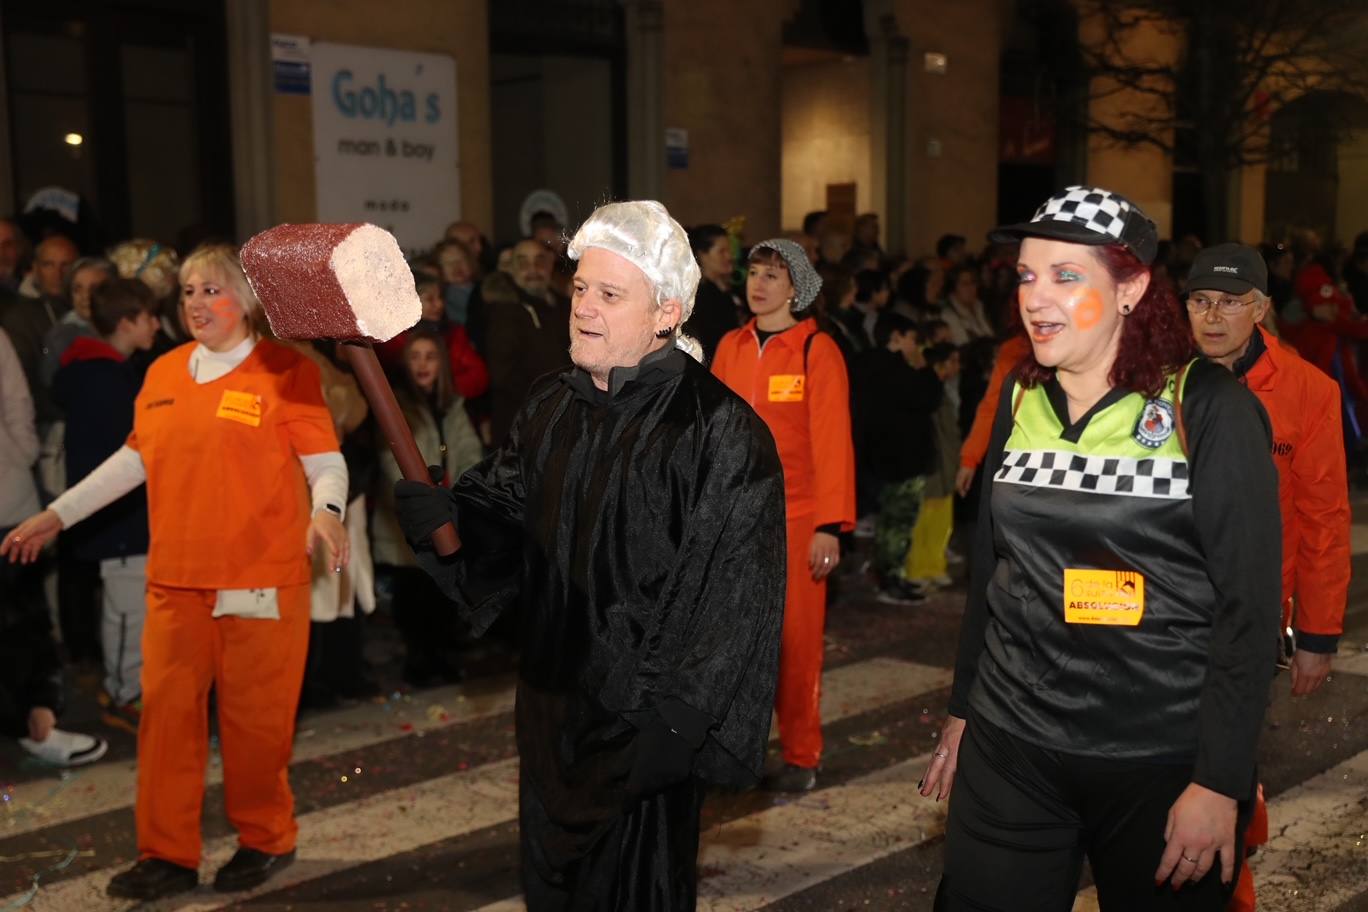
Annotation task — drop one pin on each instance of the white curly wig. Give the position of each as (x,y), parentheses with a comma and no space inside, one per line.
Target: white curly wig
(643,233)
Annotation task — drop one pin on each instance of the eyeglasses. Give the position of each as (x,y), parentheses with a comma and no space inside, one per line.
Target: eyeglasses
(1228,306)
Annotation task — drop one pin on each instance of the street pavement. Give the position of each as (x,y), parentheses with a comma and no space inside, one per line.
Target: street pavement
(408,802)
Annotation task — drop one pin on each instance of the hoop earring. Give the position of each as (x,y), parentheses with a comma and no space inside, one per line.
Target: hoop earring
(1125,311)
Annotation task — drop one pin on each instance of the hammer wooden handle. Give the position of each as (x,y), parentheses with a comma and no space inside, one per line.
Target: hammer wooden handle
(372,380)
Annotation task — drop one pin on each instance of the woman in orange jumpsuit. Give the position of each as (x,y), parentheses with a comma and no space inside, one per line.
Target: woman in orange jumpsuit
(793,375)
(244,481)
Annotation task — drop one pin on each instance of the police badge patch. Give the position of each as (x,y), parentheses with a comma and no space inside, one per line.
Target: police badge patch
(1156,424)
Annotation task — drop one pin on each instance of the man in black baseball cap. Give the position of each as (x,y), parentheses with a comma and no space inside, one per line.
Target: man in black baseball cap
(1227,297)
(1226,294)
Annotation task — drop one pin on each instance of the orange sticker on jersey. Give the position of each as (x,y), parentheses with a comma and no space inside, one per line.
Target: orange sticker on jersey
(1109,597)
(244,408)
(786,388)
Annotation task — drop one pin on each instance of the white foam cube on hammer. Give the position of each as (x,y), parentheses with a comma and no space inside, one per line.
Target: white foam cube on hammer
(343,282)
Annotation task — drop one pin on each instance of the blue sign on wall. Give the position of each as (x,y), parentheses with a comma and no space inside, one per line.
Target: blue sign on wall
(290,64)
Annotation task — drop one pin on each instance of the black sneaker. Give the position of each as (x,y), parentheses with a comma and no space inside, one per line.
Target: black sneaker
(900,592)
(152,878)
(790,779)
(249,868)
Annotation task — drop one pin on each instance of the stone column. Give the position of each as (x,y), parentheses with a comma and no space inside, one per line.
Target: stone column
(950,164)
(645,21)
(876,12)
(251,114)
(896,163)
(722,67)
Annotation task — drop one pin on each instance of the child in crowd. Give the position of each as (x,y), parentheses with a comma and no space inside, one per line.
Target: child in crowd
(926,562)
(96,386)
(896,398)
(446,438)
(934,332)
(459,275)
(872,294)
(469,375)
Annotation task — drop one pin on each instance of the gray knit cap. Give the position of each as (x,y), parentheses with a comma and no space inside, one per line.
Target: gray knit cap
(806,281)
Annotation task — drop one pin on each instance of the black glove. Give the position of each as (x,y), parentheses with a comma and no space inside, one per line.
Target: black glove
(669,739)
(662,759)
(422,509)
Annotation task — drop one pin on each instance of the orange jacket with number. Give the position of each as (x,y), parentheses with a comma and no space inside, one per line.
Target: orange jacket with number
(801,391)
(1308,448)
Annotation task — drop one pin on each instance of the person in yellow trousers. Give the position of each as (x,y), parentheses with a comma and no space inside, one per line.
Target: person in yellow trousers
(926,566)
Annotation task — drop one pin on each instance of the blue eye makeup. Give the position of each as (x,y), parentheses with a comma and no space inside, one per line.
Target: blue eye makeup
(1068,275)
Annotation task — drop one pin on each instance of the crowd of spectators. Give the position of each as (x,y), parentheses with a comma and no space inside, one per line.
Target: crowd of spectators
(919,335)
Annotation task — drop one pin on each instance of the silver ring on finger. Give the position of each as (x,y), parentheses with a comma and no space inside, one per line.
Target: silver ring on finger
(941,755)
(1189,860)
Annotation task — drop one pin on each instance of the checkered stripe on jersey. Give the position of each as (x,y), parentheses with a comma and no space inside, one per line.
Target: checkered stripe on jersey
(1166,479)
(1099,210)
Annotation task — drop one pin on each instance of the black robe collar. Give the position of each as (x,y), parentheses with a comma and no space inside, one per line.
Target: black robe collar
(657,367)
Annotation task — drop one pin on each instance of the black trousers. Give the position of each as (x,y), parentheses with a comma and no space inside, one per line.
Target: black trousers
(78,604)
(30,668)
(1022,818)
(427,622)
(645,861)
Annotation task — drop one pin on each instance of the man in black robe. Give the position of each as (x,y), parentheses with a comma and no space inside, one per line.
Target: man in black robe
(635,518)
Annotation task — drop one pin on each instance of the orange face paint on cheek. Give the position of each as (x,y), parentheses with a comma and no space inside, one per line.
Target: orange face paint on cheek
(1088,309)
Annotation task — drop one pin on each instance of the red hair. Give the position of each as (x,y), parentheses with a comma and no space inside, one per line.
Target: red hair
(1156,339)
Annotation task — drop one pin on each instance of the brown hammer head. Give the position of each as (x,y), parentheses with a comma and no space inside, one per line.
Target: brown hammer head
(343,282)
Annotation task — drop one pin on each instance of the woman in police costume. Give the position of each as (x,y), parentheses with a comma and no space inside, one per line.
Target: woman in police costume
(1117,647)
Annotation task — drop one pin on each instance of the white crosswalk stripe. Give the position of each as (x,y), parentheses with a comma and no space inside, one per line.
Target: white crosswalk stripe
(755,860)
(1314,862)
(110,786)
(450,806)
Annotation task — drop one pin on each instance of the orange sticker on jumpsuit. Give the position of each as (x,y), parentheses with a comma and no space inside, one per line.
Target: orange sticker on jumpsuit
(786,387)
(244,408)
(1088,309)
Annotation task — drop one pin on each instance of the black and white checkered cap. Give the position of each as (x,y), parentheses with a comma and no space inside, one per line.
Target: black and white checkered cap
(1088,215)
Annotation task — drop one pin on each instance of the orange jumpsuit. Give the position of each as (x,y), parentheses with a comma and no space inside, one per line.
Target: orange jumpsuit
(1303,406)
(797,383)
(229,508)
